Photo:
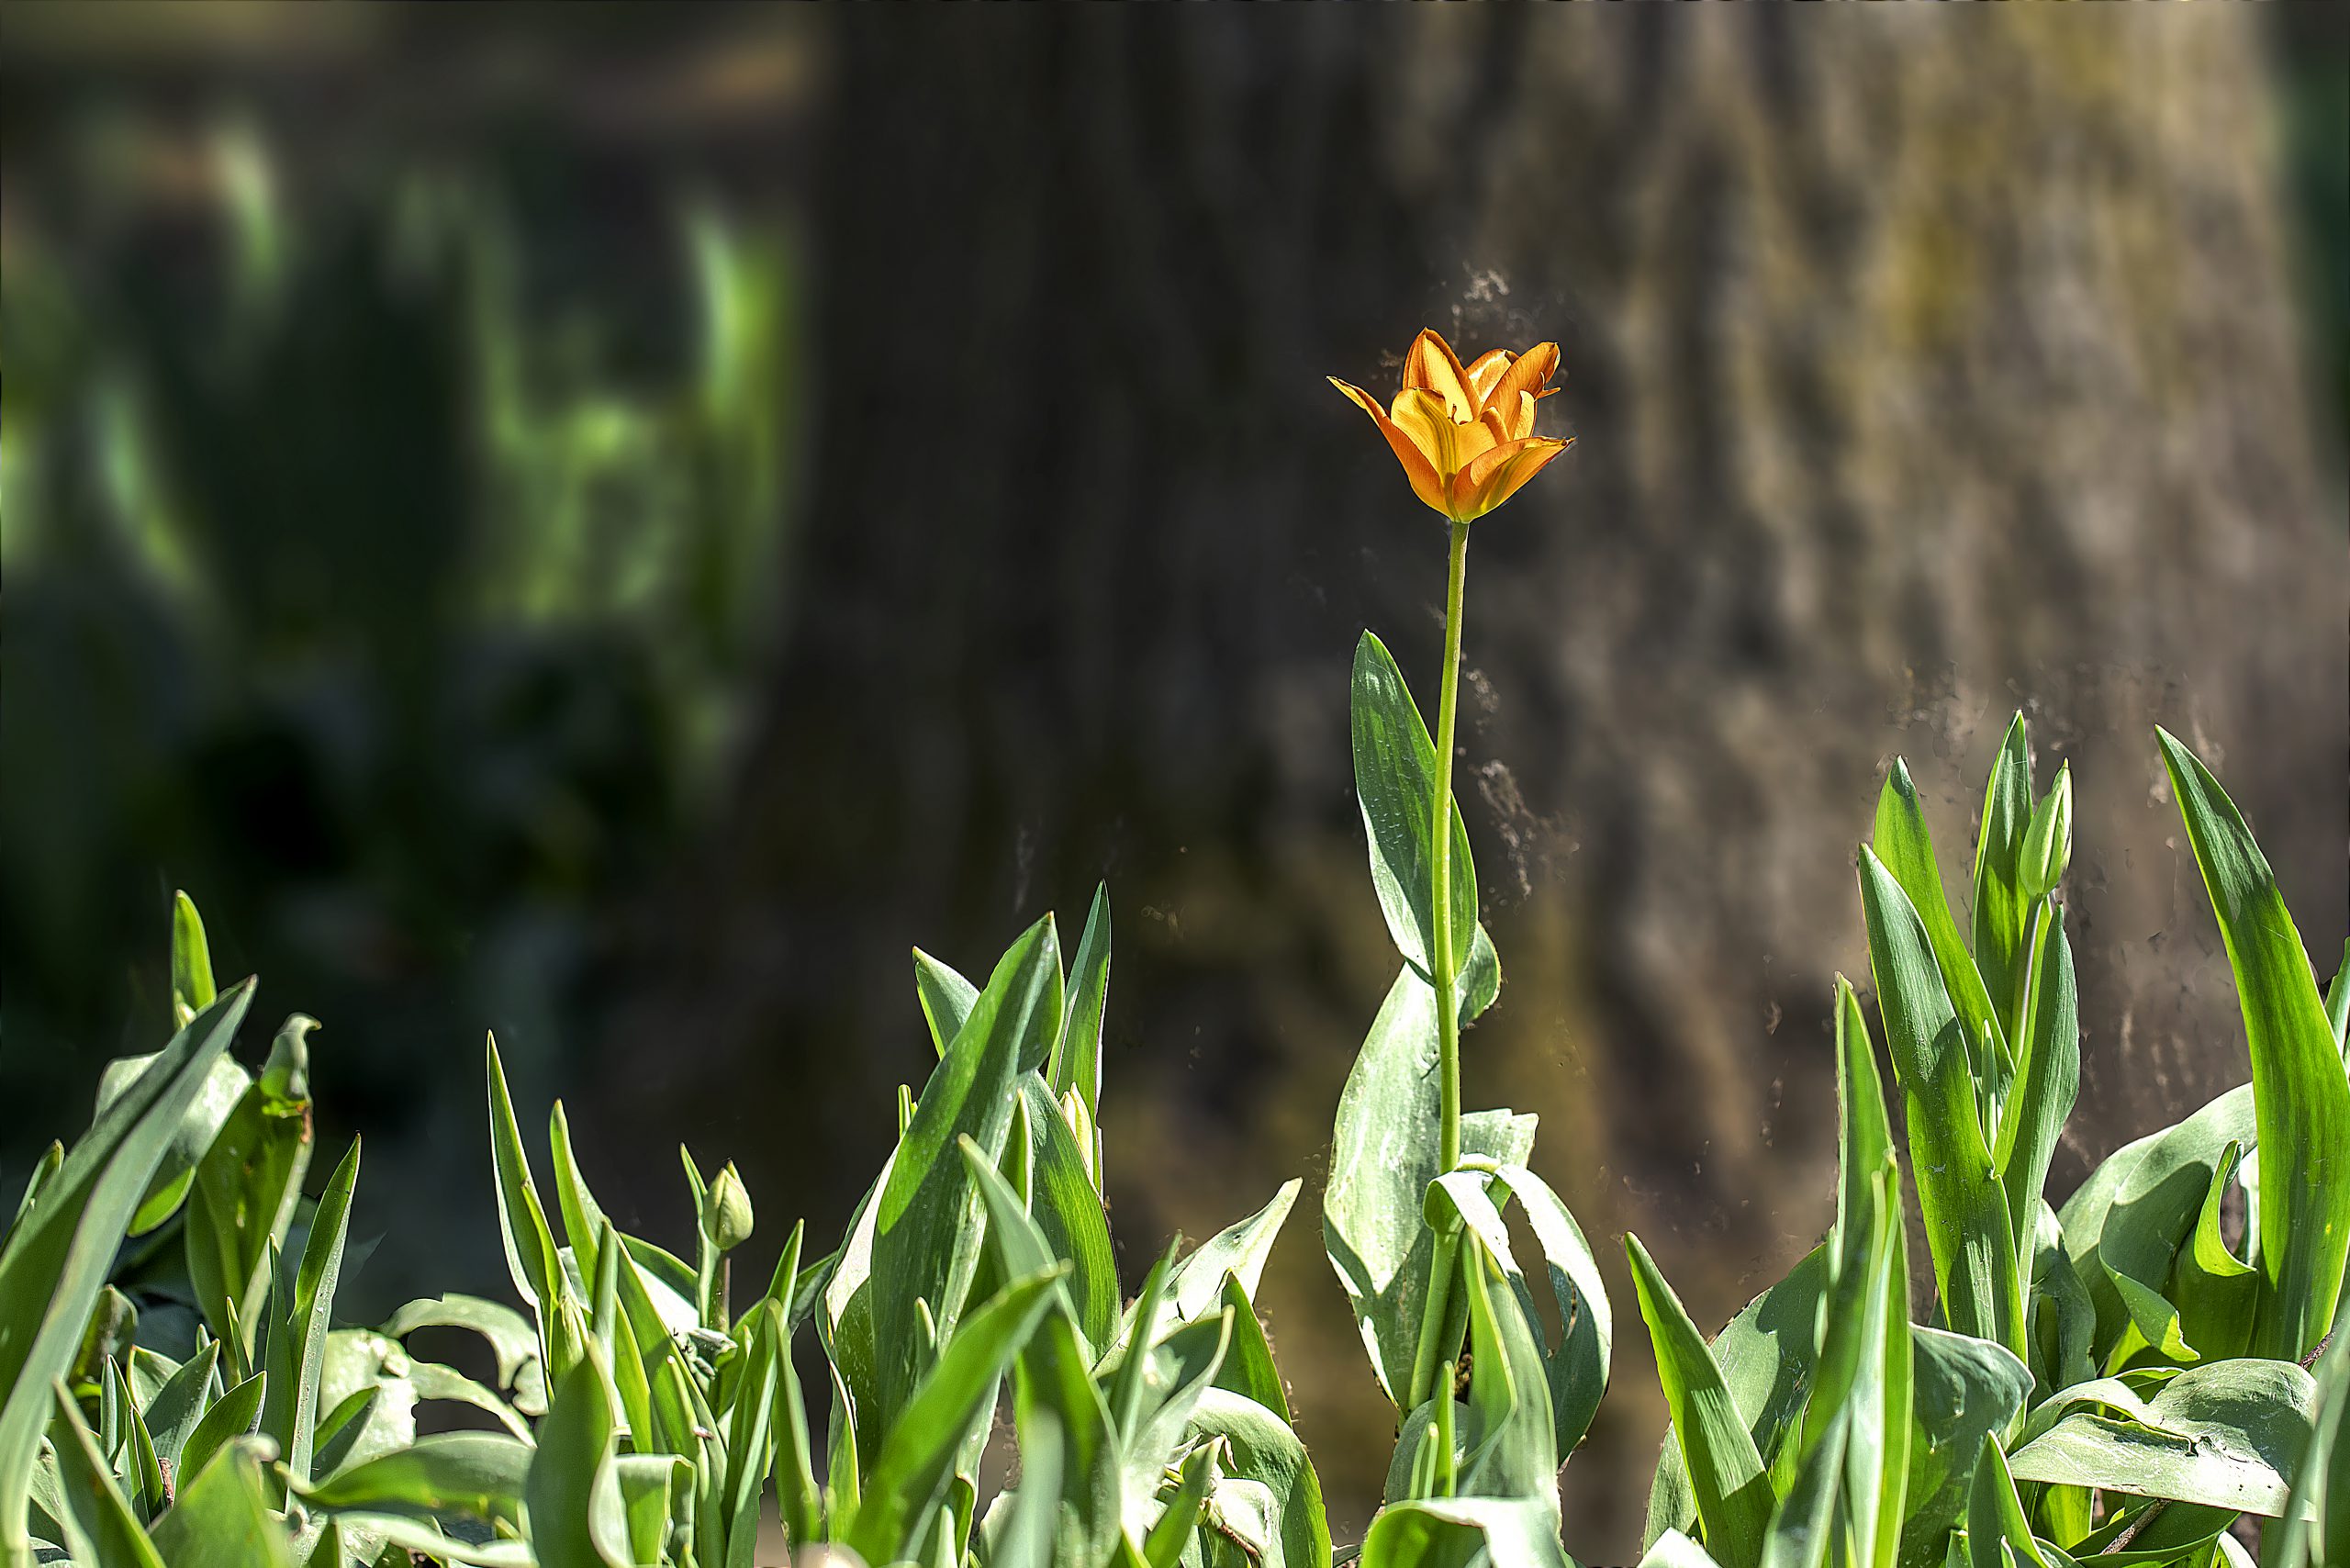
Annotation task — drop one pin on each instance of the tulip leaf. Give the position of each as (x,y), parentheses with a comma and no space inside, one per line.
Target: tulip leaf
(925,1246)
(906,1485)
(247,1187)
(98,1508)
(1574,1372)
(1395,783)
(946,997)
(1963,1389)
(223,1519)
(297,1342)
(2301,1098)
(1767,1358)
(1964,1208)
(1455,1532)
(571,1488)
(2001,908)
(2227,1435)
(1068,1208)
(2047,1076)
(1261,1451)
(1733,1496)
(57,1256)
(1904,850)
(1077,1059)
(1195,1285)
(1384,1154)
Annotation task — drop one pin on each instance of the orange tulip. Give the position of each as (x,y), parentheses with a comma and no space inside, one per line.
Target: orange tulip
(1465,437)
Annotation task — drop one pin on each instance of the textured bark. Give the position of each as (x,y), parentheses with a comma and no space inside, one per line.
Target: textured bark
(1922,366)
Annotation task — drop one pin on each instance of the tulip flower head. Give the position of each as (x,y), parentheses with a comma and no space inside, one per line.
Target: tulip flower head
(1465,436)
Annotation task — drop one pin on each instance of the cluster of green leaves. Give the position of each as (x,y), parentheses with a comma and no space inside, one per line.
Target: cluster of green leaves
(178,1395)
(2120,1380)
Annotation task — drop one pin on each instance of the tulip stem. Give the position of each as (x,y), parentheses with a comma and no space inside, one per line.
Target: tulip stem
(1442,969)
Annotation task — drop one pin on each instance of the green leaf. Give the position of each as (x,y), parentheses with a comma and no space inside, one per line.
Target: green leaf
(1997,1533)
(2227,1435)
(1195,1286)
(2001,906)
(1031,1533)
(907,1484)
(946,999)
(1260,1449)
(2047,1077)
(521,1221)
(296,1350)
(423,1537)
(234,1414)
(1383,1156)
(1803,1530)
(571,1490)
(223,1518)
(1473,1532)
(1905,851)
(583,1217)
(1964,1208)
(2217,1291)
(1734,1500)
(2124,1226)
(1767,1356)
(1068,1208)
(510,1338)
(99,1509)
(2314,1530)
(1963,1389)
(57,1256)
(2337,1001)
(479,1475)
(1077,1064)
(246,1189)
(2300,1095)
(223,1087)
(1574,1370)
(647,1482)
(925,1246)
(192,988)
(1055,1381)
(750,1436)
(175,1408)
(1395,783)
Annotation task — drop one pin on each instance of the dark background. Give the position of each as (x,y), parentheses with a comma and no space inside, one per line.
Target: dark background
(609,524)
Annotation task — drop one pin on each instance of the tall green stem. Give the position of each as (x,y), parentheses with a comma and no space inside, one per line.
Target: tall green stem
(1441,967)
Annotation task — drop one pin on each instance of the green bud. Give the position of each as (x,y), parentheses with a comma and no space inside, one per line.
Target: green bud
(726,1211)
(2048,841)
(287,1074)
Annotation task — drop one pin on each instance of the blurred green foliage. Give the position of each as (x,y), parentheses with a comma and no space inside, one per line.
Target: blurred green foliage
(392,576)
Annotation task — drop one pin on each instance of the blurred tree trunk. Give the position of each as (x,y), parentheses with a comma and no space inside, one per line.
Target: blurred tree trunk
(1923,367)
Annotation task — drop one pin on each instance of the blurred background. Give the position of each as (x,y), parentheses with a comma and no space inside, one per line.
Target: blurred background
(611,525)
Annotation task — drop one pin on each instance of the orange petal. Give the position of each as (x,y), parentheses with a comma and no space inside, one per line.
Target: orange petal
(1527,372)
(1422,416)
(1431,366)
(1417,467)
(1519,420)
(1499,473)
(1485,373)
